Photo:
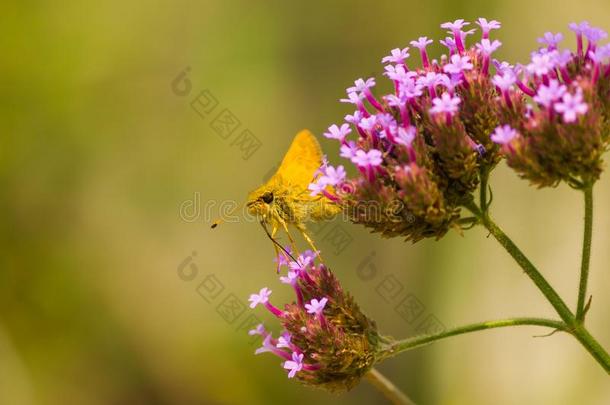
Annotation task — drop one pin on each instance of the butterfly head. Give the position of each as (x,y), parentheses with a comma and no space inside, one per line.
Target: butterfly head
(260,202)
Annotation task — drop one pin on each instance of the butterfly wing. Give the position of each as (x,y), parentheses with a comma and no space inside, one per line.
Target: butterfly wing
(303,159)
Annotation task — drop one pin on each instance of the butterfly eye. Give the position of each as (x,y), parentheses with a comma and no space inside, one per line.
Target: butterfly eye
(267,198)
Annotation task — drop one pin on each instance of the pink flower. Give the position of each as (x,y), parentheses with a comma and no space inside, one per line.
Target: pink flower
(458,64)
(454,26)
(295,365)
(503,135)
(361,85)
(571,106)
(348,150)
(261,298)
(548,94)
(542,64)
(397,55)
(487,47)
(259,330)
(371,158)
(316,307)
(291,278)
(486,26)
(551,40)
(405,136)
(445,104)
(335,132)
(504,81)
(284,341)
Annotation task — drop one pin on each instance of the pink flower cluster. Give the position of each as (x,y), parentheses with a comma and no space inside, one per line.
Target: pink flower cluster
(326,340)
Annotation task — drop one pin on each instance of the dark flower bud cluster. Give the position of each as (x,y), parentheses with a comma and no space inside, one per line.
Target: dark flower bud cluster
(564,129)
(422,150)
(326,342)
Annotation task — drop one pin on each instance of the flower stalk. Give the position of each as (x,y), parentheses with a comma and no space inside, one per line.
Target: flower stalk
(399,346)
(581,307)
(387,388)
(573,326)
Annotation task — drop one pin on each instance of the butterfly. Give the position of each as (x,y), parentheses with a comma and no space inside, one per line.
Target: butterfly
(285,200)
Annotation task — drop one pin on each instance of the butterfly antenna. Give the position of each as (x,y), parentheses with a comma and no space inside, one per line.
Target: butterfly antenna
(220,220)
(277,243)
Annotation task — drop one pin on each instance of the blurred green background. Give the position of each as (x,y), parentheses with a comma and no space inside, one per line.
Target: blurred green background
(98,154)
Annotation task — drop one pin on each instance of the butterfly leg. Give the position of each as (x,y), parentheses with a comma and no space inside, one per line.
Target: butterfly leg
(303,231)
(277,250)
(292,242)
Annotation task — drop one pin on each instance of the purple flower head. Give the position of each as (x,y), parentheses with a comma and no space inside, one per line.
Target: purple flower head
(487,26)
(354,119)
(445,104)
(282,259)
(316,307)
(261,298)
(542,64)
(450,81)
(284,340)
(267,345)
(385,120)
(600,54)
(304,260)
(410,89)
(548,94)
(333,176)
(291,278)
(394,101)
(551,40)
(579,28)
(352,98)
(369,123)
(361,85)
(398,73)
(348,150)
(421,43)
(458,64)
(258,330)
(487,47)
(429,80)
(503,135)
(405,136)
(397,55)
(571,106)
(594,34)
(562,58)
(324,335)
(335,132)
(372,158)
(295,365)
(457,25)
(464,34)
(316,187)
(502,66)
(505,80)
(450,44)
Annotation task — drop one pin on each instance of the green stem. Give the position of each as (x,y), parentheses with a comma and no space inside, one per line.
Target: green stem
(417,341)
(527,266)
(484,176)
(573,326)
(387,388)
(586,255)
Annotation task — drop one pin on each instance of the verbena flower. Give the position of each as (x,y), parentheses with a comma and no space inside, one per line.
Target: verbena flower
(325,340)
(419,149)
(563,137)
